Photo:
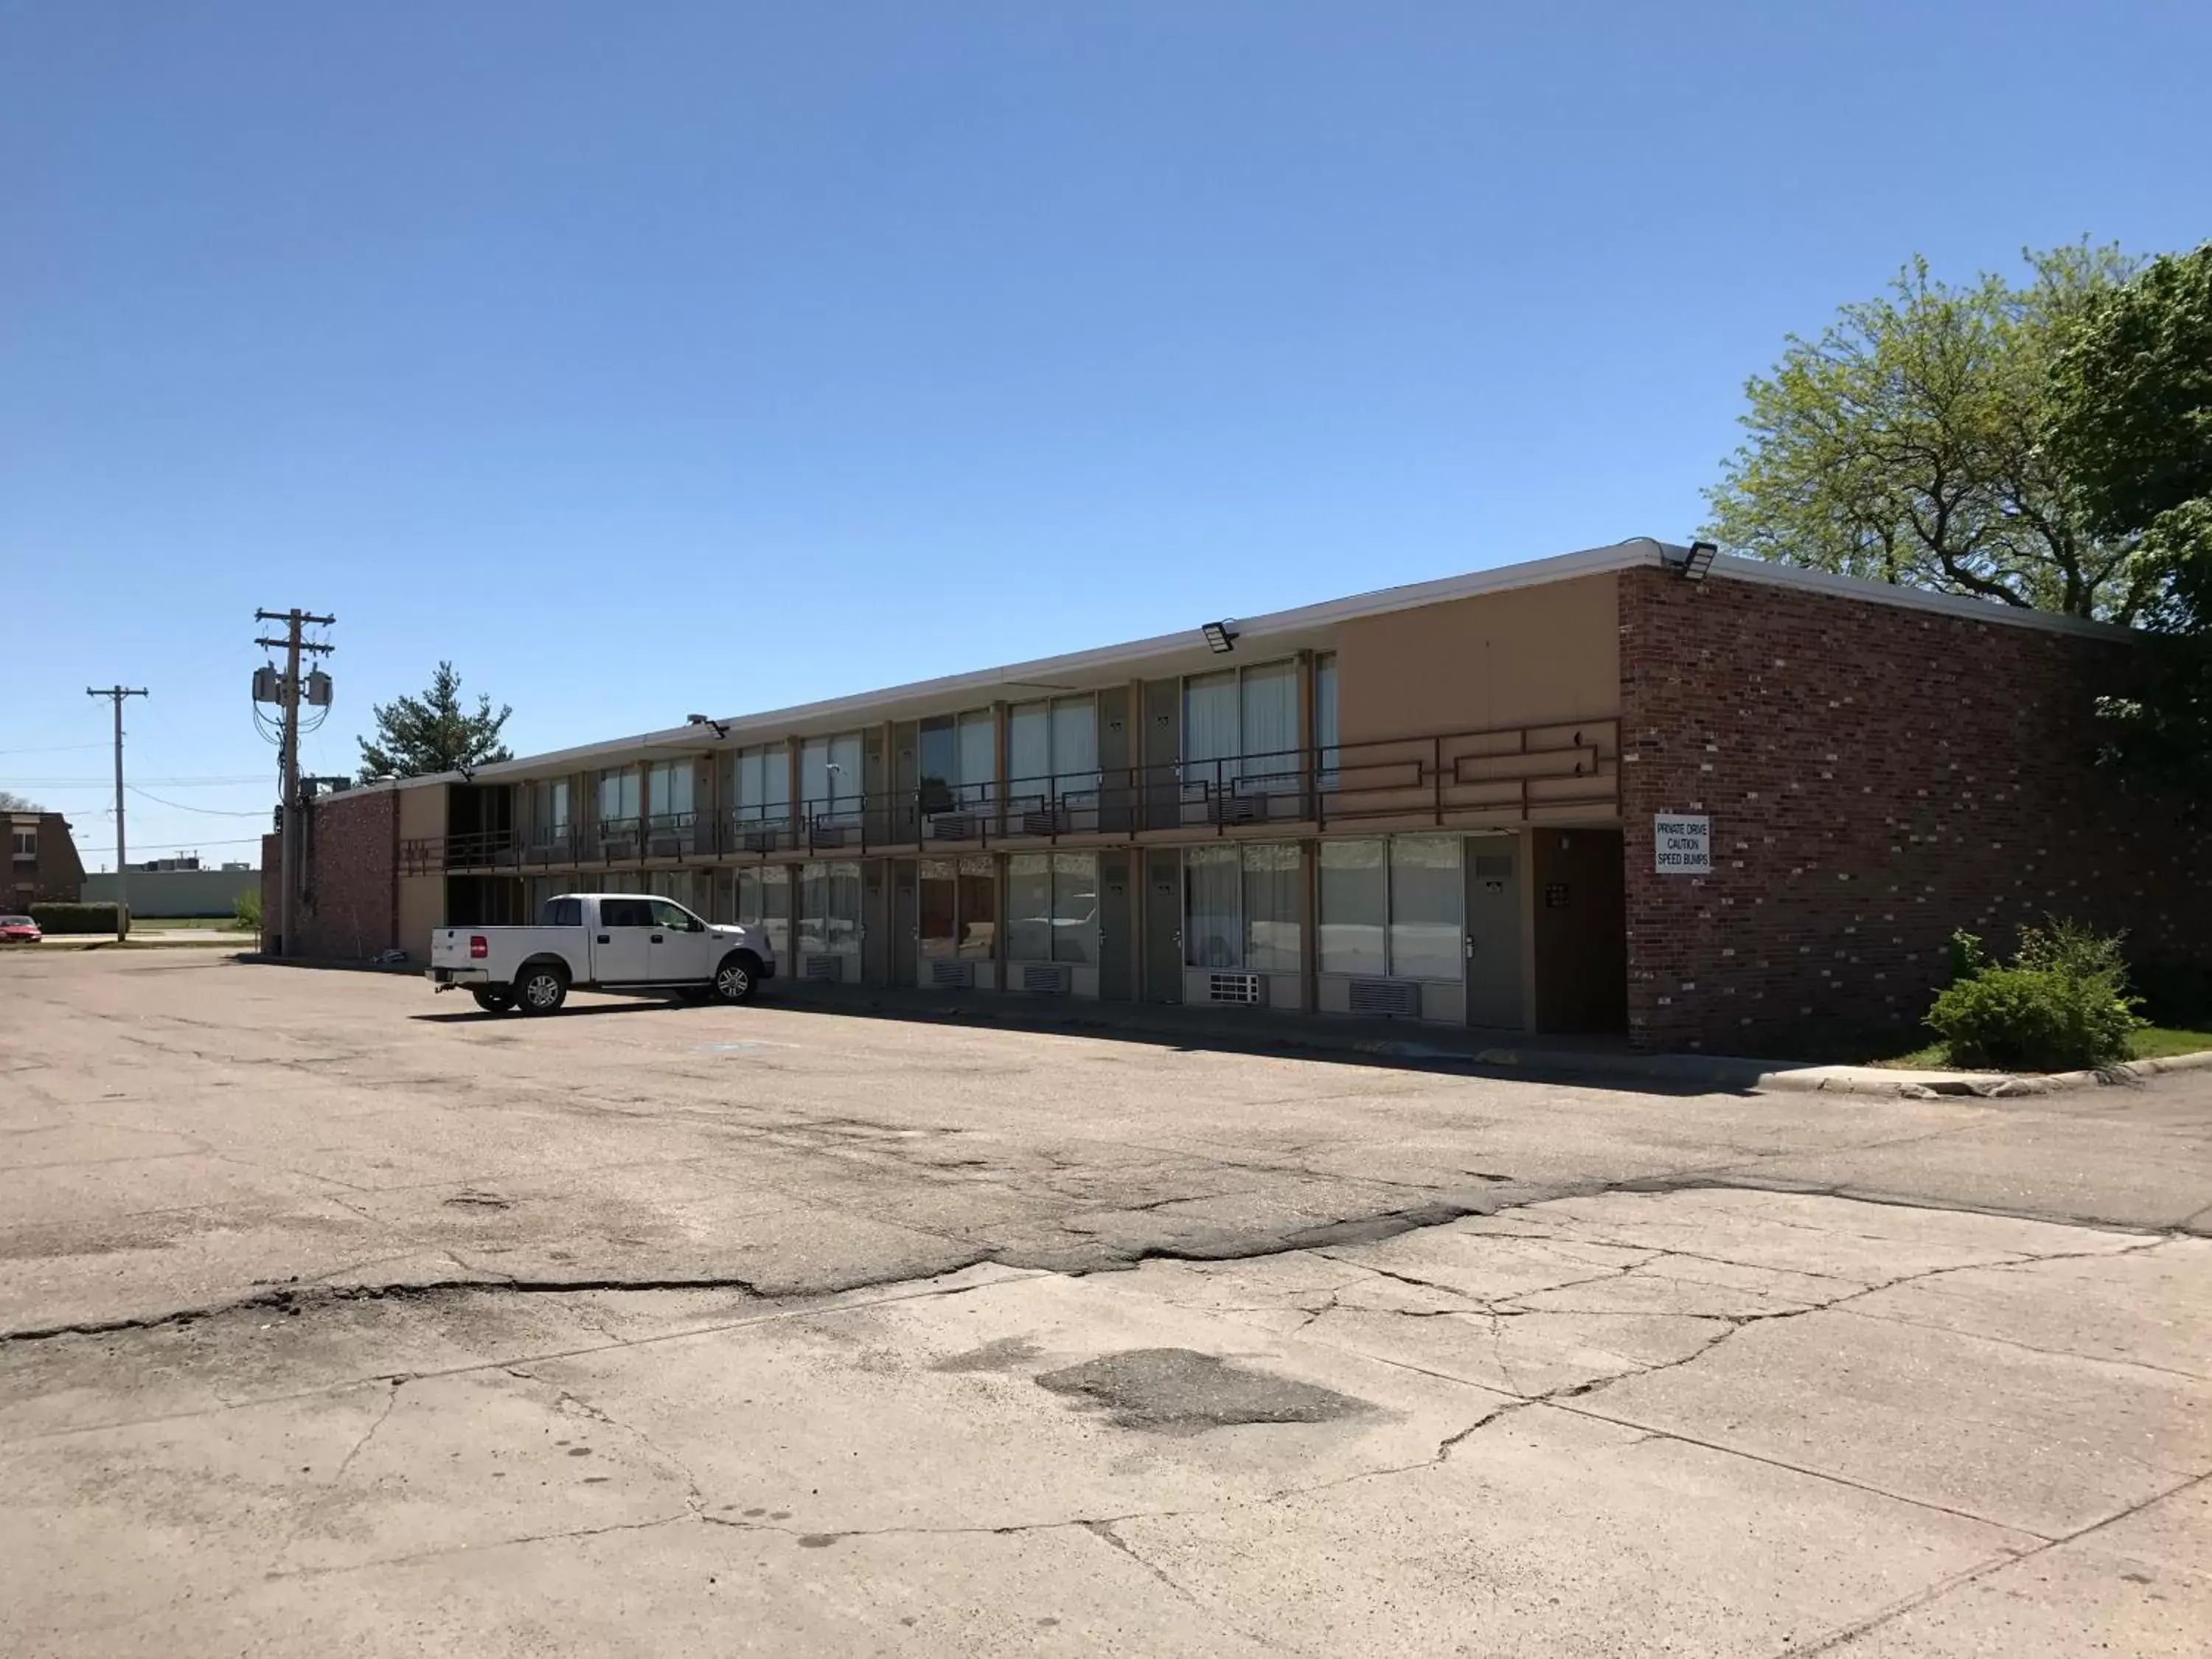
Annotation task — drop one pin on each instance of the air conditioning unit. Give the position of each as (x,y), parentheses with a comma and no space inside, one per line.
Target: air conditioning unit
(1249,989)
(954,826)
(1239,809)
(1390,999)
(1045,978)
(1043,821)
(828,835)
(758,840)
(828,968)
(952,975)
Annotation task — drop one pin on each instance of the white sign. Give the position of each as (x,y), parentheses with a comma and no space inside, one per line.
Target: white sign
(1685,845)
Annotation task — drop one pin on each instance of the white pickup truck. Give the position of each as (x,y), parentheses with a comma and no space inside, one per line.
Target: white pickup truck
(599,942)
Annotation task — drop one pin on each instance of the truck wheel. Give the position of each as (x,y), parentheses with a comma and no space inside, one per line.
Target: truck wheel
(738,978)
(492,999)
(541,989)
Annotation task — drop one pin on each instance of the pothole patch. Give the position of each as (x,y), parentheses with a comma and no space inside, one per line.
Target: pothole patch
(1181,1391)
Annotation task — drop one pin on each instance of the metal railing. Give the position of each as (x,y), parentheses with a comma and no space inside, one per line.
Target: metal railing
(1434,779)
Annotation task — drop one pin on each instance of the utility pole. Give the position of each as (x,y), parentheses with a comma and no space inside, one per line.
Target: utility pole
(116,693)
(288,688)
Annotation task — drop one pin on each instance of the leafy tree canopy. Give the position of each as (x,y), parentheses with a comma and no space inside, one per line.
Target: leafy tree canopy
(2131,425)
(1906,443)
(11,802)
(418,737)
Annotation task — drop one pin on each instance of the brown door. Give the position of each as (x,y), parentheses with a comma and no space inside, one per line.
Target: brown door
(1582,930)
(1115,925)
(905,921)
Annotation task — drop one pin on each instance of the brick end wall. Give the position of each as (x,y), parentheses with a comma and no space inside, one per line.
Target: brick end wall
(1876,778)
(350,910)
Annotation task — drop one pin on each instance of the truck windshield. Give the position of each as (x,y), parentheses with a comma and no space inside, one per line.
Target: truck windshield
(562,913)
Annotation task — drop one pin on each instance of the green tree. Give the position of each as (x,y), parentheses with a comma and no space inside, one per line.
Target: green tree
(418,737)
(1906,444)
(2131,425)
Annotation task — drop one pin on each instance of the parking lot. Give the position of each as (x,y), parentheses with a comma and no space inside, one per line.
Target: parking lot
(342,1319)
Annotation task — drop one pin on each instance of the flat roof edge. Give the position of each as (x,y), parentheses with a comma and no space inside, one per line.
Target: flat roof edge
(1635,552)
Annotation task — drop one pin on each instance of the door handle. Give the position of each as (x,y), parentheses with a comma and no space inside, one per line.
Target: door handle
(603,939)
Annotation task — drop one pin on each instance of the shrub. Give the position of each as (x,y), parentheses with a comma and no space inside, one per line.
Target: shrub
(74,918)
(2062,1003)
(247,909)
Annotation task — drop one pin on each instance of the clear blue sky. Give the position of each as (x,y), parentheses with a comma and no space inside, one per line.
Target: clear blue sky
(718,356)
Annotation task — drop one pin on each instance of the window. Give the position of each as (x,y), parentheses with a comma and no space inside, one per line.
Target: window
(1353,909)
(830,775)
(27,841)
(669,788)
(829,908)
(959,907)
(563,913)
(1052,750)
(618,795)
(959,761)
(625,913)
(1240,729)
(760,784)
(764,902)
(1241,908)
(1392,908)
(1325,727)
(1052,907)
(549,811)
(674,918)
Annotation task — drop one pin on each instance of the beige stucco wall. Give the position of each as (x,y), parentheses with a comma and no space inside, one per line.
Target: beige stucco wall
(1518,658)
(421,898)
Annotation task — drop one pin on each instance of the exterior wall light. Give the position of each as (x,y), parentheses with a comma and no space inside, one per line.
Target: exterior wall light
(1698,564)
(1220,636)
(721,728)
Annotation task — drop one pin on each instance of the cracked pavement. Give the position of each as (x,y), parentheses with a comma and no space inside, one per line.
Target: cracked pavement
(335,1319)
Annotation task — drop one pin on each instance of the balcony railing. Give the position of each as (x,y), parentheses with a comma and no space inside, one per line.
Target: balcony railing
(1440,778)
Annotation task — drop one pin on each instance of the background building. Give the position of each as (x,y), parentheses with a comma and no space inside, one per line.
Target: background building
(43,867)
(1608,793)
(178,892)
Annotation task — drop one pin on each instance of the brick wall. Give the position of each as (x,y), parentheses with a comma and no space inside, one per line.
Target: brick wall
(1876,776)
(350,910)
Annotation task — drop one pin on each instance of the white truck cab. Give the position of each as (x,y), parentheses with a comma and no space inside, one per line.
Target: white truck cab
(624,942)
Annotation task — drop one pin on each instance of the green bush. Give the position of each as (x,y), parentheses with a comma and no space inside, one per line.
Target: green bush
(2060,1004)
(247,909)
(74,918)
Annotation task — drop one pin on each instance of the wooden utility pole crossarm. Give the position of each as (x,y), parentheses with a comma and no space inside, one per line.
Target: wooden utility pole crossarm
(288,886)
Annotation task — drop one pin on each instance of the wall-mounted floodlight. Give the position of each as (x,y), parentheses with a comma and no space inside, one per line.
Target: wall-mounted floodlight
(1220,636)
(721,728)
(1698,564)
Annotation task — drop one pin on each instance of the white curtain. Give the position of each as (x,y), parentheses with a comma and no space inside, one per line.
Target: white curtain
(1209,731)
(979,757)
(1269,729)
(1028,748)
(1213,928)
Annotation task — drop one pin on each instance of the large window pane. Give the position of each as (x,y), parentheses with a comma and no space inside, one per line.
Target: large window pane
(1075,742)
(1271,908)
(1028,748)
(618,794)
(1424,907)
(979,757)
(1029,906)
(1212,932)
(979,906)
(764,902)
(845,907)
(1268,732)
(775,780)
(940,764)
(1351,907)
(941,908)
(1075,907)
(814,774)
(1325,727)
(1211,735)
(814,910)
(845,771)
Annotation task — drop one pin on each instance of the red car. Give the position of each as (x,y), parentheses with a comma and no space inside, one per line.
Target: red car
(19,930)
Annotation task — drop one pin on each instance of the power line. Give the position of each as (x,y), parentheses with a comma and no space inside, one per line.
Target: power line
(290,692)
(205,782)
(236,840)
(210,812)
